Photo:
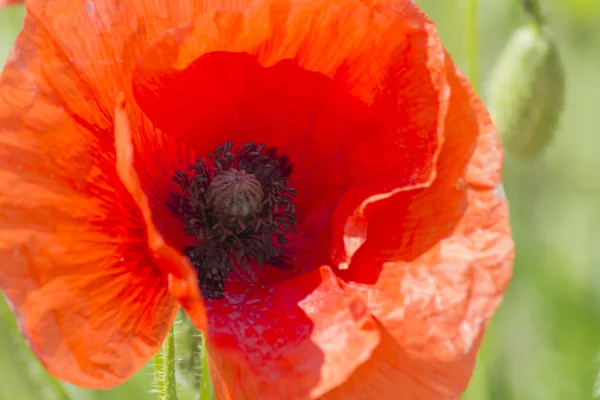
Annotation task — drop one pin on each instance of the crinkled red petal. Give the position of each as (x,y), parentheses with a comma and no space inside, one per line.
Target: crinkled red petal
(436,261)
(88,298)
(296,339)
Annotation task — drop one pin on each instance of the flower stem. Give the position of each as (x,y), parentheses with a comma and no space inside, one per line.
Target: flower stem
(471,40)
(533,11)
(206,388)
(164,370)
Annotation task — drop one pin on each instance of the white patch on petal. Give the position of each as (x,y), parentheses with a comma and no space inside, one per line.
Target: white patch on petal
(499,190)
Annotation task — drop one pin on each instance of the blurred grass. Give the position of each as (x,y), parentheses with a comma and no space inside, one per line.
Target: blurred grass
(544,340)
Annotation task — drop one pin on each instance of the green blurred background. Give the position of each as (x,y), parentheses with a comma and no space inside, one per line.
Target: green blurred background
(545,339)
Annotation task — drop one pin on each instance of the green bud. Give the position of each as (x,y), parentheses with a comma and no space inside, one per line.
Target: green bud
(527,91)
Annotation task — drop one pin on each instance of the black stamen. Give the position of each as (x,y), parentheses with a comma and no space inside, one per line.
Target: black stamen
(213,265)
(239,207)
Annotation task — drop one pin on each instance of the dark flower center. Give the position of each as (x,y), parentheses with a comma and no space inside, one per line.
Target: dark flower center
(239,207)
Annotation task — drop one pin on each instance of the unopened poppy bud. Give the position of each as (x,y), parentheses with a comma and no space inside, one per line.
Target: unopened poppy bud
(235,193)
(527,91)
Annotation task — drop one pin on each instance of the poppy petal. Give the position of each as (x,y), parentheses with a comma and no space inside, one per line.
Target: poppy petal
(392,372)
(436,261)
(86,34)
(296,340)
(10,2)
(88,299)
(374,117)
(183,281)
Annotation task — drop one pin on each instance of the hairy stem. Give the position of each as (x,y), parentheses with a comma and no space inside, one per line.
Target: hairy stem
(164,370)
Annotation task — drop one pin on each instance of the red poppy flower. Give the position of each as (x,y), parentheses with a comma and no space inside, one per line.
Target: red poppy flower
(9,2)
(375,204)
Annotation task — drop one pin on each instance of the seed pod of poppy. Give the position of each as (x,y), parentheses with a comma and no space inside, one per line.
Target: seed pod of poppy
(235,193)
(527,91)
